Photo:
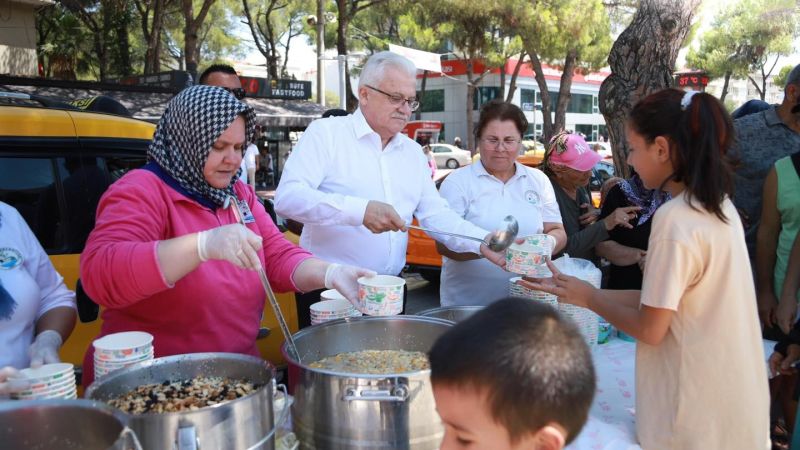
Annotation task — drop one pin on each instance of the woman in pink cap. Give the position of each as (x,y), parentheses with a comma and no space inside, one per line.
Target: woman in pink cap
(568,162)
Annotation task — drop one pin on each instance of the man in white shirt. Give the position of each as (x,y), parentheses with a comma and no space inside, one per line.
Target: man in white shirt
(250,165)
(356,181)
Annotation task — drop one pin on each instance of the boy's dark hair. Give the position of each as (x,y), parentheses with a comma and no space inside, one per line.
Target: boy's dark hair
(699,136)
(224,68)
(502,111)
(534,365)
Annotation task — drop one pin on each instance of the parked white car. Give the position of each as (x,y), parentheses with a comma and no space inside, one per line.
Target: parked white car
(605,150)
(449,156)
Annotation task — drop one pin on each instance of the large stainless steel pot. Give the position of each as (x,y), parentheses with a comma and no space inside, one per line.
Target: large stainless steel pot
(238,424)
(63,425)
(334,410)
(454,314)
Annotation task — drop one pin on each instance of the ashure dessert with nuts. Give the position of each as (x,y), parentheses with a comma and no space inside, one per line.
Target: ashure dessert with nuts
(182,395)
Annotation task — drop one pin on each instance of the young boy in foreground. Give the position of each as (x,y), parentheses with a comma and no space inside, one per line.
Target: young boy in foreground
(513,376)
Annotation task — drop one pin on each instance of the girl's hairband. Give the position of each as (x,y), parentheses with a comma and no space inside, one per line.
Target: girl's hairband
(687,99)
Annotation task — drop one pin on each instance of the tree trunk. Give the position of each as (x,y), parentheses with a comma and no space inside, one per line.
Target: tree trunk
(341,49)
(547,118)
(421,95)
(502,93)
(512,87)
(152,35)
(564,91)
(123,21)
(642,61)
(725,83)
(190,30)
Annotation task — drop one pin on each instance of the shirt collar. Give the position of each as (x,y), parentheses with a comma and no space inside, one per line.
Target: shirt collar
(771,117)
(360,125)
(158,171)
(479,170)
(361,128)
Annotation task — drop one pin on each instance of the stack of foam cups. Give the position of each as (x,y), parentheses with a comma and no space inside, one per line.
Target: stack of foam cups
(587,321)
(333,306)
(50,381)
(516,290)
(120,350)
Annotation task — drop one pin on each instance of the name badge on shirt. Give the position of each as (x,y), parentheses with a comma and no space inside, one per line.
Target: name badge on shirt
(247,215)
(9,258)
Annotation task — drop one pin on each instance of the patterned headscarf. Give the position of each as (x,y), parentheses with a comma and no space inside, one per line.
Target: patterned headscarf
(638,195)
(193,121)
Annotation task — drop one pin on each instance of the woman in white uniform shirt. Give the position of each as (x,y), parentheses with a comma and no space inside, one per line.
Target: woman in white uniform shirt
(37,311)
(485,192)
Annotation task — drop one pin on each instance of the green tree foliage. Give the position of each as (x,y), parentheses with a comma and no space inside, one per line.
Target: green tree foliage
(746,37)
(782,76)
(572,35)
(473,33)
(63,44)
(273,25)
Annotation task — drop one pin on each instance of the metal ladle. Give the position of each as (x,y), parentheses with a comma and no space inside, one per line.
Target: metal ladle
(276,308)
(500,239)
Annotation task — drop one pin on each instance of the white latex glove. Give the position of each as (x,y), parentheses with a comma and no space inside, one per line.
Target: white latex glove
(9,385)
(44,349)
(233,243)
(345,280)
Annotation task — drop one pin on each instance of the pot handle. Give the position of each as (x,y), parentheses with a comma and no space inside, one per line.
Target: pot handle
(134,440)
(281,420)
(187,438)
(398,393)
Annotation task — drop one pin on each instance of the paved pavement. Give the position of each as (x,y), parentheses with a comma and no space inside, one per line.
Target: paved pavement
(422,295)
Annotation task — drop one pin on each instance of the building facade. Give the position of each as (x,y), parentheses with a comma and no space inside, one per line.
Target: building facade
(445,98)
(18,36)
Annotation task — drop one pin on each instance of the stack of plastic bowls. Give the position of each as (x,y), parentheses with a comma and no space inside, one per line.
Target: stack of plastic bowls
(120,350)
(328,310)
(50,381)
(517,290)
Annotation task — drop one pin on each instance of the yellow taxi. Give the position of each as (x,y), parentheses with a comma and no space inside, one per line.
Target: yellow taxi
(55,164)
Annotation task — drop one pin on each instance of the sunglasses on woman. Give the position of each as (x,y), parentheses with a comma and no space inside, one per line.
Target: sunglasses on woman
(236,92)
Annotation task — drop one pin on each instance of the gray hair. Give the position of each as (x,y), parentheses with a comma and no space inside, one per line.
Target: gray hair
(375,68)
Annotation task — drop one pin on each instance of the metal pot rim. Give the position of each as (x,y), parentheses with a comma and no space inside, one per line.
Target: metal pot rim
(169,359)
(426,312)
(77,402)
(313,329)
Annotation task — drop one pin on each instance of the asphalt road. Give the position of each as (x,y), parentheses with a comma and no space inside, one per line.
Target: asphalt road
(422,295)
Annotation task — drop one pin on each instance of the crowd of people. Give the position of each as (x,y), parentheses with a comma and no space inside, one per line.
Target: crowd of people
(700,239)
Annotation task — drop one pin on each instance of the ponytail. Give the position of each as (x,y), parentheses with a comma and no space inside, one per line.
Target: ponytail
(700,133)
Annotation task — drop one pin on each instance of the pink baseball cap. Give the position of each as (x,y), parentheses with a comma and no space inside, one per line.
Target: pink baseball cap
(571,150)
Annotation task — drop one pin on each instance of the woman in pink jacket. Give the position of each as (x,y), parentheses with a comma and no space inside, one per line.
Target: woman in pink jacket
(167,256)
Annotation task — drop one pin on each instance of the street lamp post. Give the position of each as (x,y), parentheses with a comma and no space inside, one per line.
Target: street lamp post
(320,53)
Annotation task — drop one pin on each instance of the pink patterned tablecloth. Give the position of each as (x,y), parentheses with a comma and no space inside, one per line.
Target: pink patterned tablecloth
(611,424)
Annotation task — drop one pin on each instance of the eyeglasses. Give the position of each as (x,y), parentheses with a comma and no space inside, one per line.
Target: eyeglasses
(397,99)
(237,92)
(507,143)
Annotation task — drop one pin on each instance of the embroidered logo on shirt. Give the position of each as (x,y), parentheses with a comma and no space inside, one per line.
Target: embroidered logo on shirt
(9,258)
(532,197)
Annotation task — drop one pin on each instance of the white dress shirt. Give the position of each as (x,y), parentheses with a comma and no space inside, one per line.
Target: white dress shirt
(336,168)
(484,200)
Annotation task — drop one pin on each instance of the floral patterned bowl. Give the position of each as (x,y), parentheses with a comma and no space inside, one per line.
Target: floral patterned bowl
(530,258)
(381,295)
